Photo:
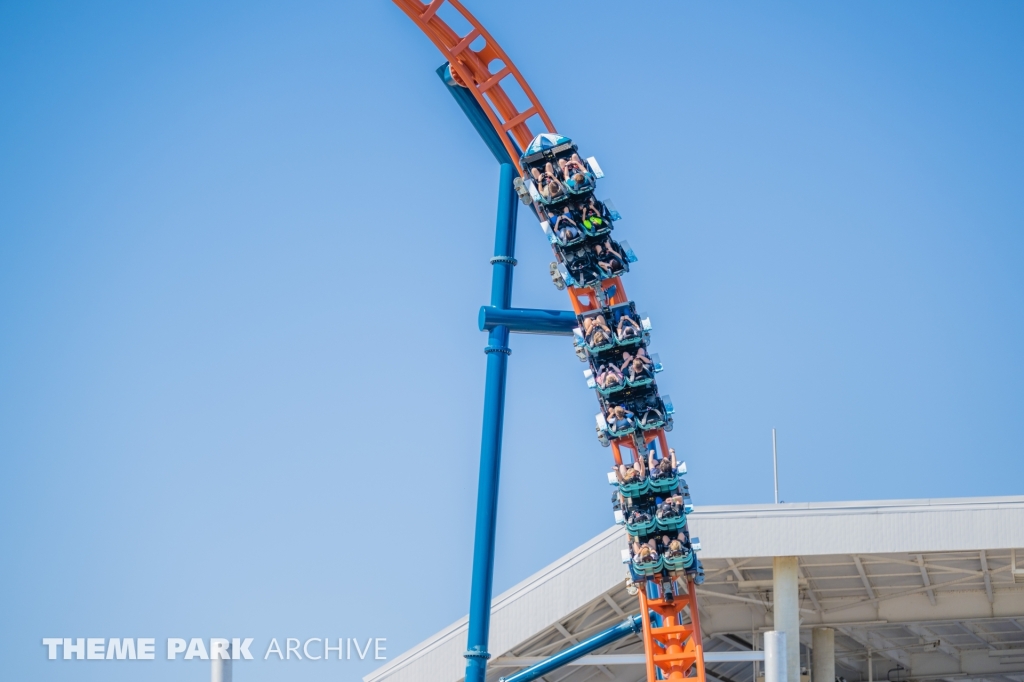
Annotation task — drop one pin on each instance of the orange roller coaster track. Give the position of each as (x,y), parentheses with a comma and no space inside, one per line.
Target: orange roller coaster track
(473,67)
(670,622)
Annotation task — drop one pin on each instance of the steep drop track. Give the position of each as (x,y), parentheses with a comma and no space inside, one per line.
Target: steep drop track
(663,568)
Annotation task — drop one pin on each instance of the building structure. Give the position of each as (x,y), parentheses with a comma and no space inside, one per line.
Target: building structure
(879,590)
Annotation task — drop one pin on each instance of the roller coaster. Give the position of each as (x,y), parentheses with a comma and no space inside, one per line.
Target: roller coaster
(545,170)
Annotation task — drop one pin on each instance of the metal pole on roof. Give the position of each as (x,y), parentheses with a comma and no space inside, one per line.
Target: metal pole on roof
(775,464)
(220,668)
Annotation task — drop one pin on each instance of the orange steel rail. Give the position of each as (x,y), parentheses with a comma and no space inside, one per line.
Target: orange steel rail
(675,647)
(472,67)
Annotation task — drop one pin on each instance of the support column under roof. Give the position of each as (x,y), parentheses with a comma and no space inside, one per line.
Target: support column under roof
(786,607)
(823,655)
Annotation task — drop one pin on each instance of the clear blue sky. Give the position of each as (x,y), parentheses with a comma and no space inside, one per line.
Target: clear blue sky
(242,247)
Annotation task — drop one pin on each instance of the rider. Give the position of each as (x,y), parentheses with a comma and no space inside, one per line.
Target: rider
(608,376)
(547,182)
(596,331)
(644,553)
(608,258)
(630,474)
(666,466)
(627,328)
(564,225)
(593,214)
(620,419)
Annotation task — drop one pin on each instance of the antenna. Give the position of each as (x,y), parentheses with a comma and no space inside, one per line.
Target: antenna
(775,464)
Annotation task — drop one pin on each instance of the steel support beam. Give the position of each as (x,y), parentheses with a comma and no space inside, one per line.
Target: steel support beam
(528,321)
(786,607)
(497,351)
(577,651)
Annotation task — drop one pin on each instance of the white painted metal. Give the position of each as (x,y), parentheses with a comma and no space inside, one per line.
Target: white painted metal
(775,466)
(776,648)
(220,670)
(909,526)
(927,581)
(625,659)
(786,594)
(823,655)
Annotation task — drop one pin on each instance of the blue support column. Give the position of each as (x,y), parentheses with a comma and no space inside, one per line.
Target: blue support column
(490,447)
(494,391)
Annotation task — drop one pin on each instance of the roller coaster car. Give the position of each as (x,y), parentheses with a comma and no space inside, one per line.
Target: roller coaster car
(610,431)
(647,409)
(635,330)
(596,217)
(557,225)
(587,264)
(676,562)
(623,360)
(611,257)
(605,382)
(630,490)
(664,484)
(630,329)
(671,523)
(552,154)
(598,337)
(643,569)
(580,267)
(654,413)
(640,523)
(645,377)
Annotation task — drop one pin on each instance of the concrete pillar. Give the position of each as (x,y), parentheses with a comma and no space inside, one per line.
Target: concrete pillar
(775,657)
(823,646)
(786,589)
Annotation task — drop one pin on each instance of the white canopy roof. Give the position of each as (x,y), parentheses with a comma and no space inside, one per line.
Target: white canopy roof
(929,585)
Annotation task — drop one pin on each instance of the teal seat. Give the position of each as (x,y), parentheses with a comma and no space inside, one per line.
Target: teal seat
(664,484)
(635,489)
(643,528)
(671,523)
(611,389)
(679,563)
(649,567)
(653,422)
(619,433)
(595,229)
(630,341)
(586,185)
(640,381)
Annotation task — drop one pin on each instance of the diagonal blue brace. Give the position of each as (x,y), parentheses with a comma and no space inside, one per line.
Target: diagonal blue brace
(566,656)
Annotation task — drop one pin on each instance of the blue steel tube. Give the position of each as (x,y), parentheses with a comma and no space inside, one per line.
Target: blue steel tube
(490,448)
(529,321)
(580,650)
